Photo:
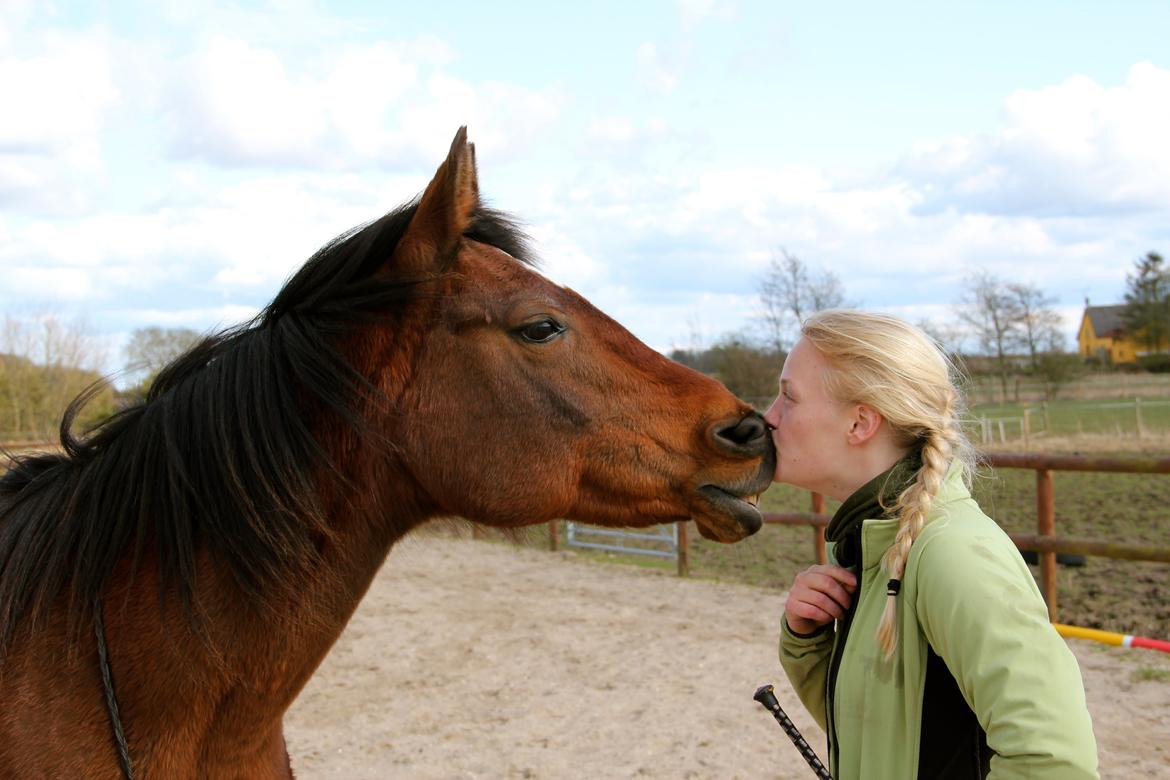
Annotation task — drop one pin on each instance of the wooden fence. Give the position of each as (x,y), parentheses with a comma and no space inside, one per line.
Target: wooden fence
(1044,541)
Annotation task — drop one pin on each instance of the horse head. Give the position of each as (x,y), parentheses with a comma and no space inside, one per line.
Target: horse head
(523,403)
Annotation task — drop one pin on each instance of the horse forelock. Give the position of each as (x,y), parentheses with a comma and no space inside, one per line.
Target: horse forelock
(500,230)
(222,450)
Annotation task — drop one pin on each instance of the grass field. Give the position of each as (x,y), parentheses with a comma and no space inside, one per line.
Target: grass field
(1124,596)
(1117,418)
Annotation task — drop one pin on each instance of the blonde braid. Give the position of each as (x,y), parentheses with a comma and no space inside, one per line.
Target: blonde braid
(913,507)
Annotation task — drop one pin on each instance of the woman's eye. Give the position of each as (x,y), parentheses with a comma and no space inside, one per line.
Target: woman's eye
(541,331)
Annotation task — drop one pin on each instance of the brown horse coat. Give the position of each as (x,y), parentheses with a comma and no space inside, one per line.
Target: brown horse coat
(229,525)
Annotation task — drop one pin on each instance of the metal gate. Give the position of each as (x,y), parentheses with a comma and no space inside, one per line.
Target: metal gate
(661,541)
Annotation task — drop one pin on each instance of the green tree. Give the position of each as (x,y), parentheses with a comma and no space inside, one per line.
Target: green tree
(44,363)
(749,370)
(1147,302)
(1057,369)
(150,349)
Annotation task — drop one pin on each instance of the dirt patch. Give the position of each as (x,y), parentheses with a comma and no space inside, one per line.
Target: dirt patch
(482,660)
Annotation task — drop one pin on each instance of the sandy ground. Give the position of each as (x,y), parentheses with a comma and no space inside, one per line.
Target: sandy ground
(483,660)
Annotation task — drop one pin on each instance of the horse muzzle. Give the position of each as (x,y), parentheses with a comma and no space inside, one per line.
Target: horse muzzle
(730,517)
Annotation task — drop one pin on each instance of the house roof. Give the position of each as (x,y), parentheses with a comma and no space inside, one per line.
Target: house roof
(1106,320)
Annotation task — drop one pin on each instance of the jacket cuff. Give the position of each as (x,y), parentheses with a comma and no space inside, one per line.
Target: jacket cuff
(799,639)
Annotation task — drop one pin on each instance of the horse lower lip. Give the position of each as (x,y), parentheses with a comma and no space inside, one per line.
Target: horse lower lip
(736,509)
(716,493)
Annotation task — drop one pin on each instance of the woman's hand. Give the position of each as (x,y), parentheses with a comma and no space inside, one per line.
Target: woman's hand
(819,595)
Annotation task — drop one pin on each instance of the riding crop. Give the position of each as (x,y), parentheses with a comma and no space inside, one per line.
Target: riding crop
(767,698)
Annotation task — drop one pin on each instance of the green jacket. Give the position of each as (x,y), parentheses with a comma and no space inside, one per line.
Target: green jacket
(967,592)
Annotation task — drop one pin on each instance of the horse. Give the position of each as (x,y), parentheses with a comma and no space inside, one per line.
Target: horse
(171,579)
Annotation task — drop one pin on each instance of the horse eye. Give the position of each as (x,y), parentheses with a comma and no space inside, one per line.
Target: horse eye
(541,331)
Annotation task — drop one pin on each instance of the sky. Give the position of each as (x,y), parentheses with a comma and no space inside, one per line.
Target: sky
(171,164)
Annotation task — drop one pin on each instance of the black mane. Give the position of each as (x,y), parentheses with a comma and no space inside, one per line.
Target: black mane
(219,452)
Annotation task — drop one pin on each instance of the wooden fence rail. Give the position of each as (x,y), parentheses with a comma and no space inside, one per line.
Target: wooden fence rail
(1044,541)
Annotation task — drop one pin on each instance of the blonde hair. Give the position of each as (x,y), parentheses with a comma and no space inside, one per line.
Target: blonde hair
(902,373)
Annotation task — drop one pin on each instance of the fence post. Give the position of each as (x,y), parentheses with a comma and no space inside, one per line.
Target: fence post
(1137,413)
(818,508)
(684,550)
(553,535)
(1025,426)
(1046,526)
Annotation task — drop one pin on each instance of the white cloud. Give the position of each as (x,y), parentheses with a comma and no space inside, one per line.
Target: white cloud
(614,138)
(259,231)
(56,99)
(13,22)
(240,241)
(644,220)
(676,319)
(57,90)
(563,260)
(694,11)
(1073,148)
(386,105)
(200,319)
(47,282)
(244,107)
(703,240)
(653,70)
(41,184)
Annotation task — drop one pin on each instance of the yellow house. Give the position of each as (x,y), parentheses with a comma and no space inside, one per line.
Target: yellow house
(1103,335)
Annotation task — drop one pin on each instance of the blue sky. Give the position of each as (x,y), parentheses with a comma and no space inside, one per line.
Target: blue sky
(161,165)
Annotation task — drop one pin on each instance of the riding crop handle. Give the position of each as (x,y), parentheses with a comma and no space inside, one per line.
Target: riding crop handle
(766,697)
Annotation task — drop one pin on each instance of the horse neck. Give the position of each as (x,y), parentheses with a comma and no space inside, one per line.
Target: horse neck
(366,515)
(252,661)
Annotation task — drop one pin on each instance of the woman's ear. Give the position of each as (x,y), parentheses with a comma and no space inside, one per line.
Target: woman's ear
(864,424)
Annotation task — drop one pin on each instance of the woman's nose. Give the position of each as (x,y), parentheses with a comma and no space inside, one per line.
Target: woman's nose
(772,416)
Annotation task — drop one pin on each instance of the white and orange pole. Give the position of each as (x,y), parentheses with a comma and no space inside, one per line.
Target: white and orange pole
(1111,638)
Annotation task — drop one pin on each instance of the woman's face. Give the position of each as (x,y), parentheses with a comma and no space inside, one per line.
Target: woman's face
(811,428)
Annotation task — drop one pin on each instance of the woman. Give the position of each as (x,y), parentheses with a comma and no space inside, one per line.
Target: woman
(925,649)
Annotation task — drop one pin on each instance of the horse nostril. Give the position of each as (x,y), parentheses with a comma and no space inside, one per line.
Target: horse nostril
(746,433)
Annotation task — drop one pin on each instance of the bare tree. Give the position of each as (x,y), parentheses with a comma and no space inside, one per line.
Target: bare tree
(1039,323)
(949,335)
(790,291)
(992,315)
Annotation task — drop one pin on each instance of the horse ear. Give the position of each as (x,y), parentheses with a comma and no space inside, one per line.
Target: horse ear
(443,212)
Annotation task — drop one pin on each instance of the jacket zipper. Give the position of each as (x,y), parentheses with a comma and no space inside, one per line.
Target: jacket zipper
(843,626)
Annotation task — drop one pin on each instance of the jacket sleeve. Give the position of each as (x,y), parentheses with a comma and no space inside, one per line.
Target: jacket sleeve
(806,663)
(982,613)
